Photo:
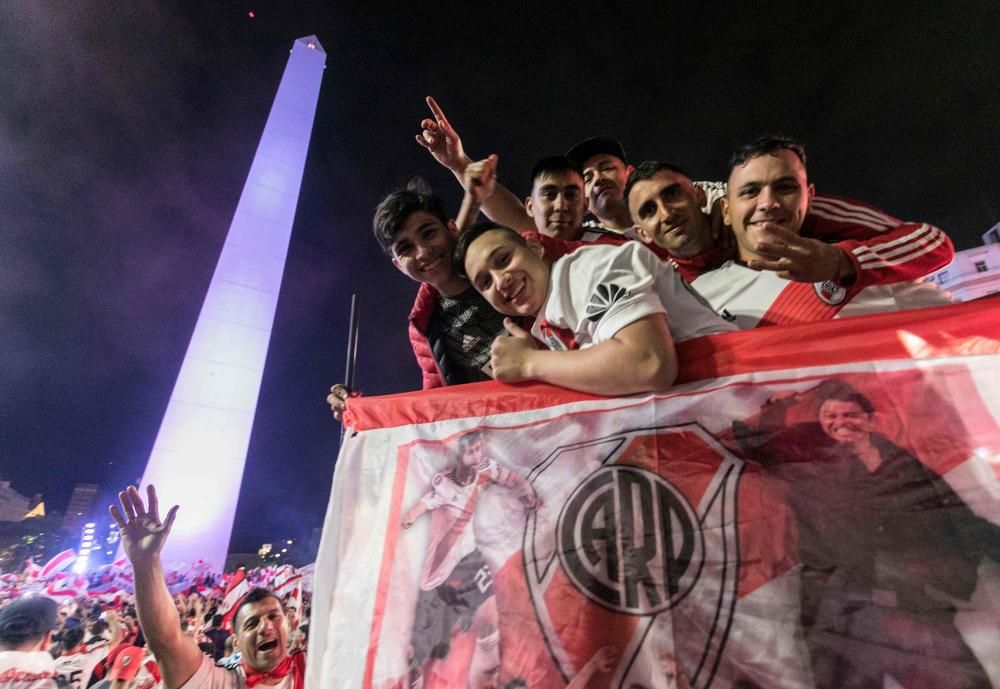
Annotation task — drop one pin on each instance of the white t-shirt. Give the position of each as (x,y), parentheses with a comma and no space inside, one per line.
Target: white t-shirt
(27,670)
(597,290)
(759,297)
(77,668)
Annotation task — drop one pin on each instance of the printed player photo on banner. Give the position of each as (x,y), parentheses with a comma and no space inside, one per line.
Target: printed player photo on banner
(838,529)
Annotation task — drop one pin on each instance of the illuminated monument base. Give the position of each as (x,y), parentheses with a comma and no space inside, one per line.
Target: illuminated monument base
(200,450)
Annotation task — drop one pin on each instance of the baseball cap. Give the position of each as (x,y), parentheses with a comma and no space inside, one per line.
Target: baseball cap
(28,617)
(127,664)
(588,148)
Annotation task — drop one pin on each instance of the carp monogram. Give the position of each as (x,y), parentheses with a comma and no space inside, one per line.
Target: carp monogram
(642,548)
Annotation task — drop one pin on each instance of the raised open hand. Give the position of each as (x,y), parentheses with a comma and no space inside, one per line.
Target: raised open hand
(143,534)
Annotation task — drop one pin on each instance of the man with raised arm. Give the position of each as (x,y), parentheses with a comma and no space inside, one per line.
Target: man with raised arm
(442,141)
(259,623)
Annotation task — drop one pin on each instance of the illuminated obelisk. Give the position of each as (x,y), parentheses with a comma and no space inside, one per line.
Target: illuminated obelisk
(200,450)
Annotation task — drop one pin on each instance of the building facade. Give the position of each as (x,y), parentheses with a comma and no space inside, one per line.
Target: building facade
(975,272)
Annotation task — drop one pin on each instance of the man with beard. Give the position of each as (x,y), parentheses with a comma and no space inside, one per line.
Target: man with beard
(884,544)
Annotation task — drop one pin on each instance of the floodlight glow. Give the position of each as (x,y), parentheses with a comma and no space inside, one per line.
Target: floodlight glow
(200,451)
(90,525)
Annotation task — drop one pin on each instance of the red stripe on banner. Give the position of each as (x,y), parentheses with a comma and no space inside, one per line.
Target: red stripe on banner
(388,557)
(879,337)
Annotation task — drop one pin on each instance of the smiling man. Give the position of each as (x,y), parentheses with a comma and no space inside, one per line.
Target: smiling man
(451,325)
(611,313)
(887,551)
(605,172)
(782,277)
(557,202)
(260,625)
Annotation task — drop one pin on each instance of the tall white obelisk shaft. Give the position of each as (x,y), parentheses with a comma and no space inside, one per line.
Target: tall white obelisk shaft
(200,450)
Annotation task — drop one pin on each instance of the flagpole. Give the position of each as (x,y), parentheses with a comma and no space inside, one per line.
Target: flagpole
(352,353)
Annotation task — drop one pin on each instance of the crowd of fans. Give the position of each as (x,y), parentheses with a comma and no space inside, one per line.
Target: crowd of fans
(587,283)
(590,281)
(235,636)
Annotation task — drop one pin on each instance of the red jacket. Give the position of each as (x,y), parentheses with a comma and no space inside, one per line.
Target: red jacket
(428,349)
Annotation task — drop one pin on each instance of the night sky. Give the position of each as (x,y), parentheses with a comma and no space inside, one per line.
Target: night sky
(126,131)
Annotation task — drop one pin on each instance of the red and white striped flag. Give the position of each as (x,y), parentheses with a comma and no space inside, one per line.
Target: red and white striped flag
(57,563)
(293,608)
(236,591)
(66,585)
(286,580)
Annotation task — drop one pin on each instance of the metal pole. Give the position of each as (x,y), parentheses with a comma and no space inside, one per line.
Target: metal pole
(352,345)
(352,354)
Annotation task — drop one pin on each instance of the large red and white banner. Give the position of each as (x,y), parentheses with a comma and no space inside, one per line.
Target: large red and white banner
(812,506)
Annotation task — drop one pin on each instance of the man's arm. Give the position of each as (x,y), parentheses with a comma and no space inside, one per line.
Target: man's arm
(443,142)
(480,183)
(413,514)
(143,536)
(638,358)
(875,248)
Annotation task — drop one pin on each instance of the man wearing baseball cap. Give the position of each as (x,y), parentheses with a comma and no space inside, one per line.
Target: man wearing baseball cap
(25,636)
(605,171)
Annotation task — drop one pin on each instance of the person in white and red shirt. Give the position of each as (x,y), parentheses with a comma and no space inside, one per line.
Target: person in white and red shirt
(26,628)
(259,622)
(781,277)
(672,219)
(612,313)
(456,583)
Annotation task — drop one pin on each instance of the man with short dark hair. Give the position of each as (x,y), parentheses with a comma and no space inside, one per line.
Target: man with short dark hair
(79,657)
(610,313)
(557,203)
(664,201)
(668,211)
(260,625)
(783,277)
(26,628)
(451,326)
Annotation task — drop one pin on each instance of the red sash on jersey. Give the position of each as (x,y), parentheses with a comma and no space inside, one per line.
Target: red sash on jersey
(800,302)
(553,336)
(294,663)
